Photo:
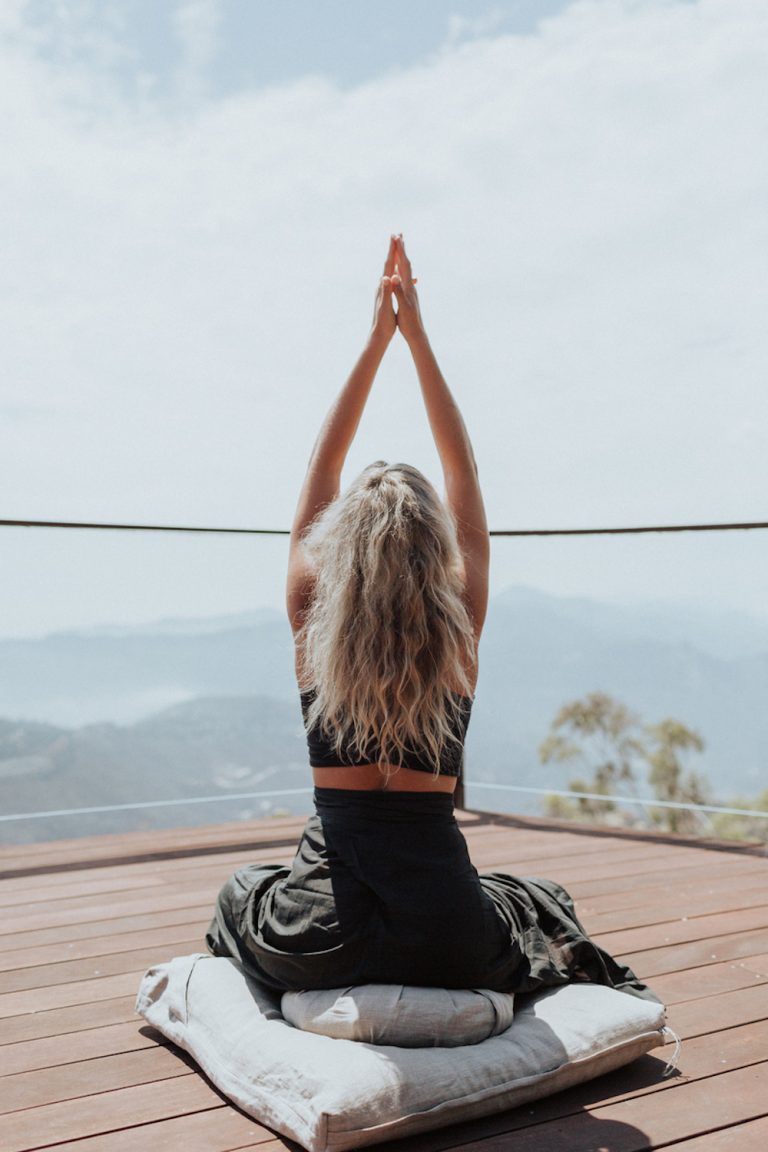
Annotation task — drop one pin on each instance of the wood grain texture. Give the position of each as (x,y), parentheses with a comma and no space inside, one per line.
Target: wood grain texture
(79,1071)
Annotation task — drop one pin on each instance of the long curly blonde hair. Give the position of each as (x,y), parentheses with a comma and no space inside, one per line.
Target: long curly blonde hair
(387,643)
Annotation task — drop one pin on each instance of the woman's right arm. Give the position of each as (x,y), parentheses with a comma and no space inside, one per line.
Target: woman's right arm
(462,486)
(322,480)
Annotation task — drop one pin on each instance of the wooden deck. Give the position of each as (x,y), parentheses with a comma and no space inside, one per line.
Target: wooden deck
(82,920)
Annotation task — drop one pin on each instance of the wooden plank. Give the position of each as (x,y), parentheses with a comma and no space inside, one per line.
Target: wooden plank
(751,1136)
(674,909)
(696,954)
(675,987)
(100,849)
(189,865)
(157,868)
(112,855)
(714,1014)
(69,971)
(87,1044)
(700,1060)
(647,875)
(90,907)
(60,995)
(689,891)
(56,881)
(582,859)
(597,870)
(597,843)
(662,909)
(216,1130)
(84,886)
(741,1047)
(518,824)
(84,848)
(54,911)
(65,916)
(647,1122)
(651,854)
(70,1052)
(572,876)
(161,937)
(70,1019)
(36,1089)
(756,964)
(105,1112)
(592,859)
(682,929)
(59,935)
(578,864)
(547,845)
(550,839)
(154,866)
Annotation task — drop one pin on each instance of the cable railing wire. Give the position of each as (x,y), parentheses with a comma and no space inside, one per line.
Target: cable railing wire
(122,527)
(101,809)
(612,798)
(646,801)
(731,526)
(744,525)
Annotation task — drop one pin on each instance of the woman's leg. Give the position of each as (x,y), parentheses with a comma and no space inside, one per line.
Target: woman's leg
(556,949)
(230,929)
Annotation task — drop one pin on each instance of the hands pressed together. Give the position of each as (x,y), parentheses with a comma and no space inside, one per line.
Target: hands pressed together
(397,285)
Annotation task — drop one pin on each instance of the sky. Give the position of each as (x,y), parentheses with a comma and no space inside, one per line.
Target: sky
(198,195)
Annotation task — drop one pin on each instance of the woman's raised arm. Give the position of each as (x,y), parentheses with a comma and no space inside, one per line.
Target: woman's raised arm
(321,483)
(462,486)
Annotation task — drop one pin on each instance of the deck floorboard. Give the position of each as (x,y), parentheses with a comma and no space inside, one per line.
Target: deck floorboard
(80,921)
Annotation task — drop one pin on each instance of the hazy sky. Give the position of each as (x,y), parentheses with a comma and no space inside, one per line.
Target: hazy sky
(197,197)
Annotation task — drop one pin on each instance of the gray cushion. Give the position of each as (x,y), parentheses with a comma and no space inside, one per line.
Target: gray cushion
(336,1094)
(399,1014)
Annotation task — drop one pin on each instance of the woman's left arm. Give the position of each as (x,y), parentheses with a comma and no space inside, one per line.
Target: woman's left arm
(462,486)
(322,481)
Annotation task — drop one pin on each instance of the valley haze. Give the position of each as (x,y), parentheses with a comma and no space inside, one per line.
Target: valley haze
(209,707)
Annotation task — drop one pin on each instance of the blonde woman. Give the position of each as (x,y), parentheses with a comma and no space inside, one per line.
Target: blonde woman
(387,594)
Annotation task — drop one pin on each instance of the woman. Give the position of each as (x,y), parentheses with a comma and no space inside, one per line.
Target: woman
(387,595)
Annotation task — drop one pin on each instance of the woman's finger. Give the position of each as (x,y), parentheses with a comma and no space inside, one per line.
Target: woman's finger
(389,263)
(403,263)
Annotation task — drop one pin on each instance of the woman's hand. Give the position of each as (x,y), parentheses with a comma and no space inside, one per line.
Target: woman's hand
(384,319)
(408,313)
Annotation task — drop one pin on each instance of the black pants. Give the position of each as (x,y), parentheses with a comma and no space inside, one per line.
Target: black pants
(382,890)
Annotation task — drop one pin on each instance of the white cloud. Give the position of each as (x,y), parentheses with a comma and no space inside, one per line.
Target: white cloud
(185,287)
(464,27)
(196,24)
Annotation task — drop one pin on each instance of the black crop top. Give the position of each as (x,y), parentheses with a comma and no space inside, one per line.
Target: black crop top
(322,753)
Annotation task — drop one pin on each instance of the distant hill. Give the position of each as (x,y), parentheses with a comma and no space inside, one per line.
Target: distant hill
(206,747)
(539,651)
(206,707)
(125,674)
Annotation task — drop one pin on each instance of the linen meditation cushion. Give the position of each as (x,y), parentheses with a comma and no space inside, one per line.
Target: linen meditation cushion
(328,1093)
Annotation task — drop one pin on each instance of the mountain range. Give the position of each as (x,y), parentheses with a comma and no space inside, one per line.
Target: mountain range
(189,708)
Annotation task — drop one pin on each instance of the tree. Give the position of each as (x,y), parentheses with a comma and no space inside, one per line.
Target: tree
(606,737)
(731,827)
(668,742)
(618,749)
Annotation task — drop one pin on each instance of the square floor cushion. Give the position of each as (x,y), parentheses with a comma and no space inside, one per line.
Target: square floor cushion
(329,1093)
